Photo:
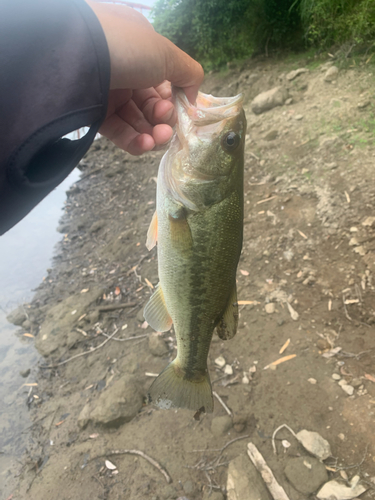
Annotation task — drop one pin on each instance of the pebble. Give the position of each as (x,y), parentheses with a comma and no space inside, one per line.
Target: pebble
(188,486)
(334,489)
(25,373)
(356,382)
(228,370)
(244,481)
(369,221)
(314,443)
(331,74)
(312,381)
(220,362)
(221,425)
(270,307)
(336,376)
(349,389)
(306,474)
(298,117)
(323,344)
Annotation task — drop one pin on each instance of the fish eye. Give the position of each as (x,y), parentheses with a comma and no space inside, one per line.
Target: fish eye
(231,141)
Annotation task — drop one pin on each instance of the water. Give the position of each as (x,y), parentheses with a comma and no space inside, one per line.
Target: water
(25,254)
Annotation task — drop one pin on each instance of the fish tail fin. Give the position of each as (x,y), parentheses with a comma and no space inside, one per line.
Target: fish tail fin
(172,389)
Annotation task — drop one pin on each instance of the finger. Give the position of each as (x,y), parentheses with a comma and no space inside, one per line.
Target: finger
(162,134)
(183,71)
(155,109)
(131,114)
(164,90)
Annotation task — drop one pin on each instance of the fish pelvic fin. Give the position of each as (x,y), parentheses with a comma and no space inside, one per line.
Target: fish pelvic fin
(152,233)
(156,313)
(227,326)
(172,389)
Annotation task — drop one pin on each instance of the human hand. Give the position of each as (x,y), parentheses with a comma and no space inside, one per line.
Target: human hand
(144,64)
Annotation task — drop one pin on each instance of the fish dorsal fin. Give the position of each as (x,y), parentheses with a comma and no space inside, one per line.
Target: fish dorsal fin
(156,313)
(227,326)
(152,233)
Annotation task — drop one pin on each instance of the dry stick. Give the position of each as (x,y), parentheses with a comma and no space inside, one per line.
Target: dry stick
(141,454)
(82,353)
(273,486)
(114,307)
(222,403)
(127,338)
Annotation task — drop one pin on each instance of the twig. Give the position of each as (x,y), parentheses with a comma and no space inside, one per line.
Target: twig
(127,338)
(141,454)
(276,431)
(345,309)
(114,307)
(82,353)
(222,403)
(273,486)
(204,466)
(355,465)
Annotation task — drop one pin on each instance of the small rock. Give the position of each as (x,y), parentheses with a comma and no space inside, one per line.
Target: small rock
(363,104)
(245,379)
(116,405)
(314,444)
(97,225)
(332,165)
(349,389)
(353,242)
(244,481)
(188,487)
(312,381)
(360,250)
(339,491)
(220,362)
(221,425)
(25,373)
(289,101)
(356,382)
(239,422)
(157,345)
(17,317)
(269,99)
(140,316)
(215,495)
(228,370)
(306,474)
(331,74)
(270,308)
(298,117)
(353,229)
(26,325)
(323,344)
(271,136)
(369,221)
(293,74)
(336,376)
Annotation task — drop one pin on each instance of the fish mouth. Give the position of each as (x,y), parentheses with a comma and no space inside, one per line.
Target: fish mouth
(207,109)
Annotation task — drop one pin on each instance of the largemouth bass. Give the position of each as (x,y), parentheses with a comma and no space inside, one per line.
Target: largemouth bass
(198,227)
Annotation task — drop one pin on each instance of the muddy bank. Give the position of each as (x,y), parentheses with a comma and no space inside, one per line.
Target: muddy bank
(306,276)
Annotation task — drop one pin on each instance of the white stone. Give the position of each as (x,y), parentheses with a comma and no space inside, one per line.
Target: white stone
(312,381)
(349,389)
(336,376)
(220,362)
(228,370)
(270,307)
(314,443)
(339,491)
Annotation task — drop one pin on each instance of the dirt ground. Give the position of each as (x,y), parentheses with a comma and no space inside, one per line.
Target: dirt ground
(307,270)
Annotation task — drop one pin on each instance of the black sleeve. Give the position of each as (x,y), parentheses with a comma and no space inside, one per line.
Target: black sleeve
(54,79)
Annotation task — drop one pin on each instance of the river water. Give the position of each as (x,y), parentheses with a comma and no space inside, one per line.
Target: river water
(25,254)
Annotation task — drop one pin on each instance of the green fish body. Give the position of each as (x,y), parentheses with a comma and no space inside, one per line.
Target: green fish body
(198,227)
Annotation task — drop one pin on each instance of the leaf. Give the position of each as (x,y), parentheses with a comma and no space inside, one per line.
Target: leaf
(110,465)
(369,377)
(281,360)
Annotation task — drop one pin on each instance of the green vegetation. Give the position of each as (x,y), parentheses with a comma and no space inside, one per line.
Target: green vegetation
(218,31)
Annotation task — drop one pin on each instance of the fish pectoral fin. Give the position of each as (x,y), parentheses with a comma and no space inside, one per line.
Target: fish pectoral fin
(180,232)
(152,233)
(227,326)
(156,313)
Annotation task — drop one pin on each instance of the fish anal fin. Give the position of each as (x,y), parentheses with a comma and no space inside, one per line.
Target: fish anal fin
(156,313)
(172,389)
(227,326)
(152,233)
